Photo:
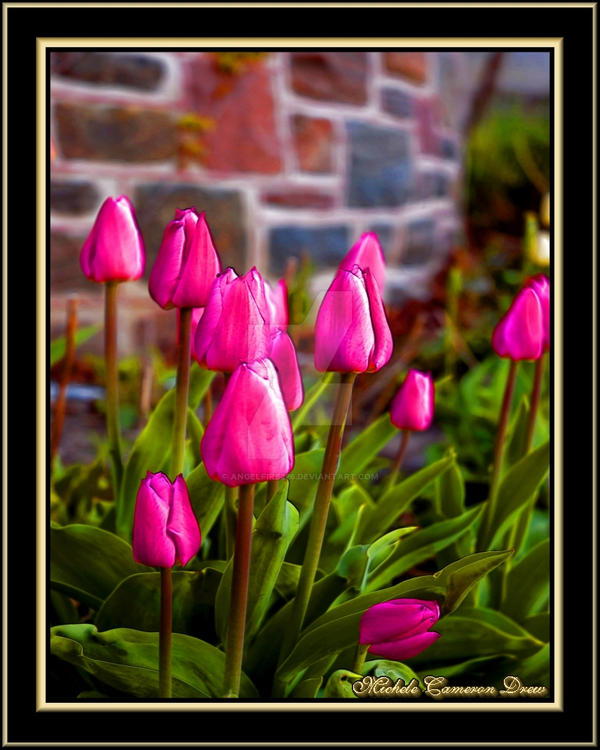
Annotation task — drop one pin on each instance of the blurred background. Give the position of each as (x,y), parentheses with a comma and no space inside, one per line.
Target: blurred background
(445,155)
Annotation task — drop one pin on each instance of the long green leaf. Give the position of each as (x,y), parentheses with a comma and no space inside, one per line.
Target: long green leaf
(359,453)
(58,346)
(528,583)
(127,660)
(310,399)
(206,496)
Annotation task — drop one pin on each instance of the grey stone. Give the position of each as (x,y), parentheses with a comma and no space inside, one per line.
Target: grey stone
(73,197)
(396,103)
(380,170)
(325,246)
(155,205)
(128,69)
(419,242)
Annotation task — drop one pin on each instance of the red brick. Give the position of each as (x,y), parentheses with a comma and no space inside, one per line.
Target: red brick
(313,141)
(411,65)
(298,198)
(244,137)
(330,76)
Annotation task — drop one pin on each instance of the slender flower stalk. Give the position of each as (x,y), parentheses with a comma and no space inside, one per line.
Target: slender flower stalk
(320,512)
(359,660)
(181,391)
(395,470)
(112,384)
(165,682)
(234,651)
(534,403)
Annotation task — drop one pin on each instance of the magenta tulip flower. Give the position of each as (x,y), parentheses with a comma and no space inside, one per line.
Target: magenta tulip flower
(399,628)
(412,406)
(249,438)
(235,325)
(351,332)
(277,301)
(283,356)
(367,253)
(165,530)
(520,332)
(541,285)
(187,262)
(114,249)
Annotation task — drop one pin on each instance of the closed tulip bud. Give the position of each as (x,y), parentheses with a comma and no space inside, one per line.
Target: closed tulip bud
(541,286)
(351,332)
(412,406)
(114,249)
(520,332)
(283,356)
(165,530)
(278,304)
(367,253)
(249,438)
(399,628)
(235,325)
(187,262)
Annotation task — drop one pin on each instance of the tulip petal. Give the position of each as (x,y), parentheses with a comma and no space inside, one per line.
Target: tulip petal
(277,299)
(384,345)
(396,619)
(520,333)
(182,526)
(541,286)
(151,544)
(413,405)
(283,356)
(165,271)
(367,254)
(200,265)
(404,648)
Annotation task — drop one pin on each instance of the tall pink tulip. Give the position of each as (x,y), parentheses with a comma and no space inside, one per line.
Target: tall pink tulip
(114,249)
(235,325)
(351,332)
(367,253)
(249,438)
(187,262)
(165,530)
(399,629)
(520,332)
(412,406)
(541,286)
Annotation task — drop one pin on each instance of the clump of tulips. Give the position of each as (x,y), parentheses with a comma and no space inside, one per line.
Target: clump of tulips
(302,572)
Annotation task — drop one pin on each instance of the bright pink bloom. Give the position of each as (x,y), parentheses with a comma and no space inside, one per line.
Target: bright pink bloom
(278,304)
(367,253)
(520,332)
(283,356)
(352,333)
(165,530)
(114,249)
(249,438)
(412,406)
(187,262)
(541,285)
(235,324)
(399,628)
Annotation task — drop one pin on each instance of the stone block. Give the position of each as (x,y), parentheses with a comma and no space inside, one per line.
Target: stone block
(292,197)
(419,246)
(74,197)
(128,69)
(330,76)
(397,103)
(409,65)
(325,246)
(313,142)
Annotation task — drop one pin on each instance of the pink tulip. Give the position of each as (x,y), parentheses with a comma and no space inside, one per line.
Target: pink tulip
(352,333)
(114,249)
(278,304)
(283,356)
(399,628)
(187,262)
(541,285)
(520,332)
(249,438)
(412,406)
(165,530)
(367,253)
(235,324)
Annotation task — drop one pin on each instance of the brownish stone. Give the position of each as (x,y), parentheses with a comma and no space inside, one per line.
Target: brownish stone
(313,141)
(65,272)
(99,132)
(128,69)
(411,65)
(330,76)
(243,136)
(298,198)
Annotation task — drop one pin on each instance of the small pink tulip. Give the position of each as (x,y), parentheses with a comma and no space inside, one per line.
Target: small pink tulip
(520,332)
(412,406)
(351,332)
(165,530)
(114,249)
(399,628)
(249,438)
(541,285)
(283,356)
(187,262)
(277,301)
(235,324)
(367,253)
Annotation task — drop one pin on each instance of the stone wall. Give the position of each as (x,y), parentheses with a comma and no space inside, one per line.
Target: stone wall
(290,155)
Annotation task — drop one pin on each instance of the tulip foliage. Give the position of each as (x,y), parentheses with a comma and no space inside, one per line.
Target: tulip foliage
(314,535)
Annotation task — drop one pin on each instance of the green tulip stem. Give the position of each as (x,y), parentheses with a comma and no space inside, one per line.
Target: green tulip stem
(361,655)
(234,650)
(399,459)
(230,520)
(112,384)
(181,392)
(499,449)
(319,516)
(534,403)
(166,627)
